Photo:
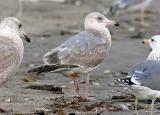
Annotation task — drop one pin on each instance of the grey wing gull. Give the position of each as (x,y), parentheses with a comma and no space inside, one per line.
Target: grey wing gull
(81,53)
(143,78)
(131,5)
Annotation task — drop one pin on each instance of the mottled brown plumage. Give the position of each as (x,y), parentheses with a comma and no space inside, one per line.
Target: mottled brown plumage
(85,51)
(11,47)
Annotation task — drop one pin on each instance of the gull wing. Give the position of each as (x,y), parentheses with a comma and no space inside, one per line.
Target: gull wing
(8,54)
(146,74)
(84,49)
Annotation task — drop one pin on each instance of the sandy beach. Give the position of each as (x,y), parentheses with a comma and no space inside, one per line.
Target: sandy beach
(49,24)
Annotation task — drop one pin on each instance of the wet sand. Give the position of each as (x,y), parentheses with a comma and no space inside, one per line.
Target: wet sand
(45,23)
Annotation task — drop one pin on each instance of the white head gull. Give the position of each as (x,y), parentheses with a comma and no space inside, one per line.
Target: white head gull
(143,78)
(154,44)
(81,53)
(11,47)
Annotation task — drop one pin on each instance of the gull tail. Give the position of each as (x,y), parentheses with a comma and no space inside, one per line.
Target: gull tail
(42,69)
(51,68)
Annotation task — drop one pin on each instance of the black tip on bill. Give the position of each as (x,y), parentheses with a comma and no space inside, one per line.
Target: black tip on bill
(27,38)
(117,24)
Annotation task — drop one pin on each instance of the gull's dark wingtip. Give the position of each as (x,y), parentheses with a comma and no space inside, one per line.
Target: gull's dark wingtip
(124,81)
(40,69)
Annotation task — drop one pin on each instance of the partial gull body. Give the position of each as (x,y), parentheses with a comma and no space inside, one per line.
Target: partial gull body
(11,47)
(81,53)
(144,78)
(131,5)
(21,4)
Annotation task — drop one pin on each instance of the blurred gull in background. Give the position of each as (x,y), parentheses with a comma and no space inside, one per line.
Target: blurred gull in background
(131,5)
(21,6)
(144,78)
(81,53)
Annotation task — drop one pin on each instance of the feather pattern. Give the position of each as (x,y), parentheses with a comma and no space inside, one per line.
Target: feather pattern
(9,58)
(84,50)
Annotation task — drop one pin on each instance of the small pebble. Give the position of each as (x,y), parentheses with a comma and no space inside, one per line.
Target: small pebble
(107,71)
(7,100)
(131,29)
(37,82)
(42,109)
(26,99)
(124,107)
(63,86)
(31,66)
(96,84)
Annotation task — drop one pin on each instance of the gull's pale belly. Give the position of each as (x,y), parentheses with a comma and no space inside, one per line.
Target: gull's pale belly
(7,74)
(143,92)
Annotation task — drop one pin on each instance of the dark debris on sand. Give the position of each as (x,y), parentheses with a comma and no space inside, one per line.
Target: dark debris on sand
(55,90)
(79,104)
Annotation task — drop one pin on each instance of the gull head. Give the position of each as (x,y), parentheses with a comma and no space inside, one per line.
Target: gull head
(153,42)
(11,27)
(97,20)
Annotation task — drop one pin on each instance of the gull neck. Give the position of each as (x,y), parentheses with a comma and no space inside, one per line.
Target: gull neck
(154,55)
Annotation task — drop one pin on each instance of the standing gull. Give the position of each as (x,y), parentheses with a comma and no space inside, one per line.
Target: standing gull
(131,5)
(143,79)
(81,53)
(11,47)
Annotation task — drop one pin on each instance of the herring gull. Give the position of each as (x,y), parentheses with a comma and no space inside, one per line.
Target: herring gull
(81,53)
(11,47)
(131,5)
(143,79)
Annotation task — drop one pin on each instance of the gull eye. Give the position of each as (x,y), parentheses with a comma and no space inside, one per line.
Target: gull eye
(20,25)
(100,18)
(152,40)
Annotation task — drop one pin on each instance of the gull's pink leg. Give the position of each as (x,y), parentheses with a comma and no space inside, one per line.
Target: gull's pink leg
(74,77)
(87,87)
(76,84)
